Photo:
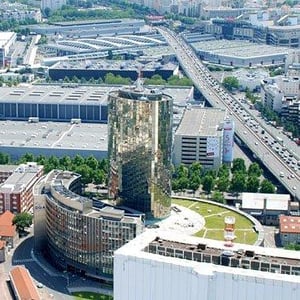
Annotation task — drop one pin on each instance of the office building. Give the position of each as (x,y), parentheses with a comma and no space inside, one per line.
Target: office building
(16,191)
(174,266)
(79,234)
(139,149)
(203,135)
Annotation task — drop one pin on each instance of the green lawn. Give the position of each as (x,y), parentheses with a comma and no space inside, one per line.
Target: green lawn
(90,295)
(214,221)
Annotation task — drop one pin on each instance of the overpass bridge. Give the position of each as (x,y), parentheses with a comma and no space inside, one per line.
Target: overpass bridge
(219,97)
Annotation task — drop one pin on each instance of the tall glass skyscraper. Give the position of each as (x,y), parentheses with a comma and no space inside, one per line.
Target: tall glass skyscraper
(139,148)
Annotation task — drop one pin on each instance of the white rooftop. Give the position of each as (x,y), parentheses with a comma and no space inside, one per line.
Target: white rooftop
(5,37)
(273,201)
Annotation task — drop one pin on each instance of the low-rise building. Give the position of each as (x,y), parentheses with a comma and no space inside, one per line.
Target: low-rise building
(22,284)
(8,232)
(16,191)
(289,230)
(266,207)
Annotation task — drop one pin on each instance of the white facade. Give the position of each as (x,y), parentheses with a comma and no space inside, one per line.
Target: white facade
(199,137)
(139,275)
(271,95)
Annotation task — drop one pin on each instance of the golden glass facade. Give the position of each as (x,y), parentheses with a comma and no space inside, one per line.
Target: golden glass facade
(139,149)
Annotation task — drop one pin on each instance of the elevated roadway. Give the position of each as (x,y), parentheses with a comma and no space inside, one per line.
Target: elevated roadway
(218,97)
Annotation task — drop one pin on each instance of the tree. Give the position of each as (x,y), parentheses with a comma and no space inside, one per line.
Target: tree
(218,197)
(238,183)
(195,181)
(195,169)
(4,158)
(208,183)
(92,162)
(230,83)
(22,221)
(182,171)
(252,184)
(238,165)
(266,186)
(223,183)
(224,171)
(254,170)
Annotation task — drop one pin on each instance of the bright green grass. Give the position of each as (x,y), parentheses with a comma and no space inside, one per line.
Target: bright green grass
(90,296)
(214,221)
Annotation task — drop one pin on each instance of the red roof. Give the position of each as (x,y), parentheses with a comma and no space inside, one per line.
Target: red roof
(7,229)
(23,284)
(289,224)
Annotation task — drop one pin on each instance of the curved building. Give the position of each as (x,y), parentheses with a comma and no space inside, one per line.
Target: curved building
(77,235)
(139,149)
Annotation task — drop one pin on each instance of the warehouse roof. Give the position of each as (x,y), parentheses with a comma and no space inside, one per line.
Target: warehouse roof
(53,135)
(238,48)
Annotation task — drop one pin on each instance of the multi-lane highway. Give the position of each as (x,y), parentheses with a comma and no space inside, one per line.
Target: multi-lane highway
(273,154)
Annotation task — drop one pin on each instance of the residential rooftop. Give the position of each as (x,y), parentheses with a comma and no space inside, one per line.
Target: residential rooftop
(289,224)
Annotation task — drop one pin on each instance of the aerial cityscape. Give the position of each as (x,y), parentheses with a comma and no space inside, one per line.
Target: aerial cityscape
(149,150)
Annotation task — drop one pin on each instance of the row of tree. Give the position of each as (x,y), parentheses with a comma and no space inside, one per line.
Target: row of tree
(236,179)
(117,79)
(91,170)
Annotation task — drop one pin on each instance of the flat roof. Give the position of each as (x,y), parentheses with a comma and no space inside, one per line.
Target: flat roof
(56,94)
(5,36)
(274,201)
(7,168)
(124,65)
(20,178)
(56,135)
(237,48)
(170,241)
(198,121)
(78,94)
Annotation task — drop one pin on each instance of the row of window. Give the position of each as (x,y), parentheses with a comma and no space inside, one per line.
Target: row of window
(54,111)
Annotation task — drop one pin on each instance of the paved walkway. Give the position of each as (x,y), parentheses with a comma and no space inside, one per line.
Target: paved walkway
(182,220)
